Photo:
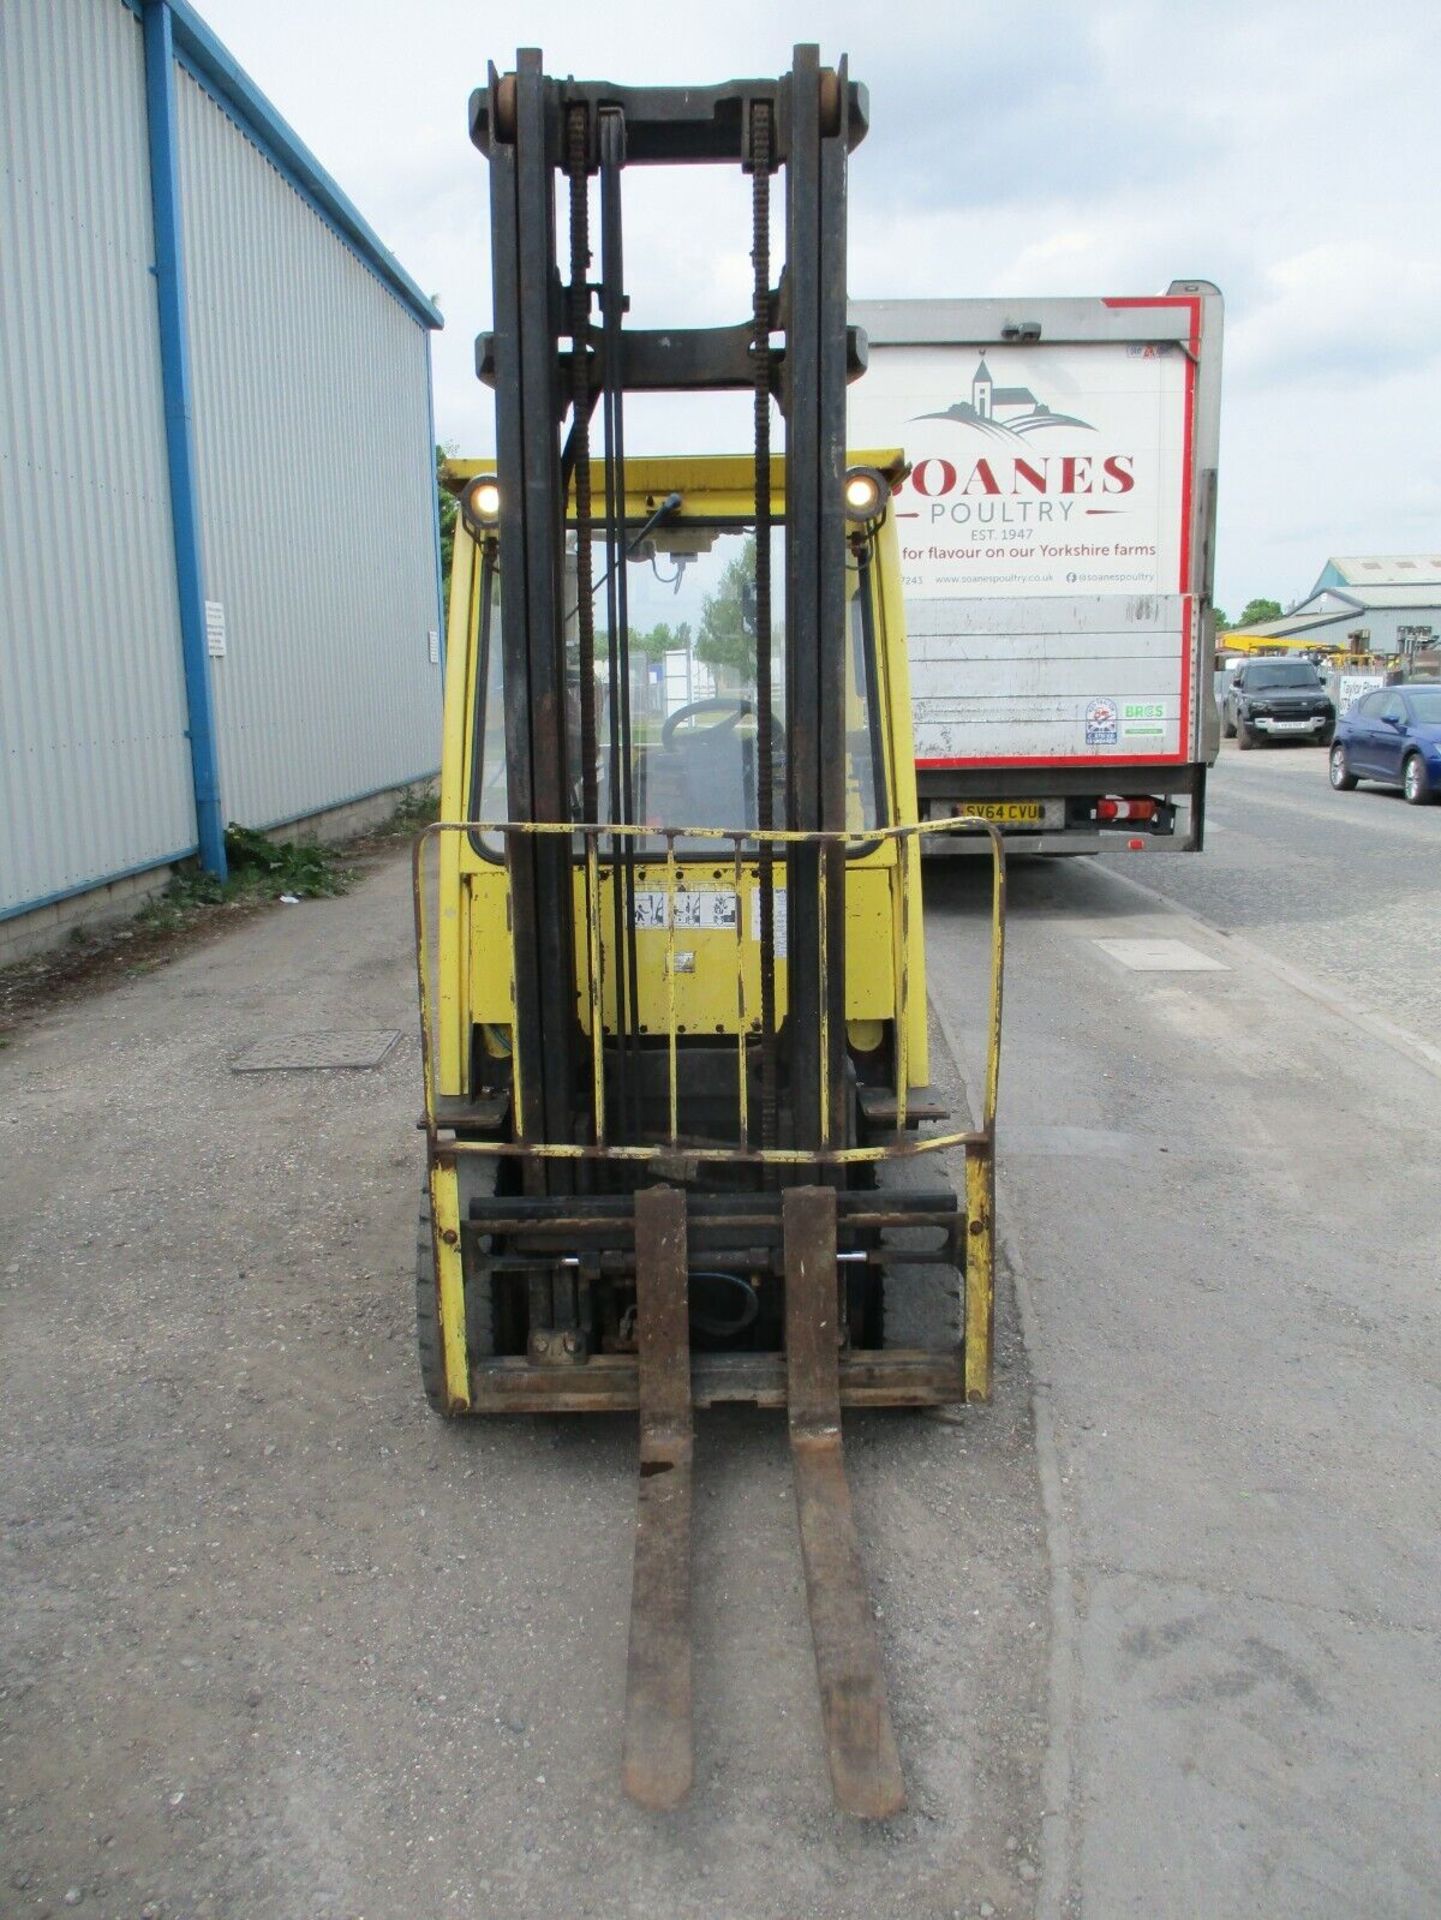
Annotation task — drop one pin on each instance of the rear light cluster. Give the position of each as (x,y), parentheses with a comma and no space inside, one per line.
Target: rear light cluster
(1114,809)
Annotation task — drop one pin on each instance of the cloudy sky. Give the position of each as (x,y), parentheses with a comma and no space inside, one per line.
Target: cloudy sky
(1290,152)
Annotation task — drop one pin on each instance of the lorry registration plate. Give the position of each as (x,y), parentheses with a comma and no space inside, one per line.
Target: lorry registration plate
(1005,813)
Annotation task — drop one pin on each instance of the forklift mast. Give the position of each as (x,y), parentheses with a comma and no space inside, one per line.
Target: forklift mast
(559,348)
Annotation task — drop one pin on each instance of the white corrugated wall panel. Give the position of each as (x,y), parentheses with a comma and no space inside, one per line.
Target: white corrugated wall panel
(311,392)
(94,764)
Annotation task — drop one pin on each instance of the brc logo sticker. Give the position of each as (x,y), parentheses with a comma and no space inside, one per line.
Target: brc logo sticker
(1102,723)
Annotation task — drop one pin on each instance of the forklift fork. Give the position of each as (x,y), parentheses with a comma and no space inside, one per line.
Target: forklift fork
(657,1764)
(860,1743)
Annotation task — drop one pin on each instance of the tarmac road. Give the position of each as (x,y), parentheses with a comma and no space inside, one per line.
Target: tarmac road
(1162,1625)
(1224,1216)
(1346,886)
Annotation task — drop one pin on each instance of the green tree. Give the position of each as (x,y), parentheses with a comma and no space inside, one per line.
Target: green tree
(1255,611)
(660,639)
(727,637)
(445,504)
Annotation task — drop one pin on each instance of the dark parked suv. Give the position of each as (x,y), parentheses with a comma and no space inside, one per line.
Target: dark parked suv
(1277,700)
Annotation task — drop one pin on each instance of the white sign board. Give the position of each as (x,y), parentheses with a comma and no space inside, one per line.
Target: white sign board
(1044,539)
(215,629)
(1350,687)
(1034,470)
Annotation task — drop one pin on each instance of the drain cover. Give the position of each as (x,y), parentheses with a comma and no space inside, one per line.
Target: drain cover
(309,1052)
(1161,956)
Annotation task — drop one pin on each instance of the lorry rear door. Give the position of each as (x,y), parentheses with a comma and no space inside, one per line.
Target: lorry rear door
(1055,529)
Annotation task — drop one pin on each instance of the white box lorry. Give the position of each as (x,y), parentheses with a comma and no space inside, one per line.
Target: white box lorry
(1057,531)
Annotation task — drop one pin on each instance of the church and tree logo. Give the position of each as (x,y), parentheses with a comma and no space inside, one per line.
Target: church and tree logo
(1004,413)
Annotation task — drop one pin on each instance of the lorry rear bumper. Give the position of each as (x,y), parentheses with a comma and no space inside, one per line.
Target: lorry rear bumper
(995,780)
(1176,824)
(951,846)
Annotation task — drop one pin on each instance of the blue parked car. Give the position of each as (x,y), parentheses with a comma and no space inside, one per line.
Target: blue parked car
(1392,735)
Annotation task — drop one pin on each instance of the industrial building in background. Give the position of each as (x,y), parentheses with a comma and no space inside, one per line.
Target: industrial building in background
(220,591)
(1367,604)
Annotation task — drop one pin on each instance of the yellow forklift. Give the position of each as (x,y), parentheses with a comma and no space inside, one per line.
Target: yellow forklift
(669,923)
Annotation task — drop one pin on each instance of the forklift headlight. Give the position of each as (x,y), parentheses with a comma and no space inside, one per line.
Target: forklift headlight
(480,504)
(865,493)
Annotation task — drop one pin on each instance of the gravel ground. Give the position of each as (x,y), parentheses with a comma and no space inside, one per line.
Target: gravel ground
(279,1643)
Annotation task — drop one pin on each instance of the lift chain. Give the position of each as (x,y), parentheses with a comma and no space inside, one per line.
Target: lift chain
(760,163)
(578,170)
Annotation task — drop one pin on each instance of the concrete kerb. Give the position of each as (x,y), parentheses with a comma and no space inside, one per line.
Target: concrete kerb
(355,817)
(113,902)
(1054,1892)
(109,905)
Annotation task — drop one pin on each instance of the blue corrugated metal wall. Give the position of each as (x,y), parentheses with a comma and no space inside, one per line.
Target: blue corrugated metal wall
(316,475)
(309,419)
(94,765)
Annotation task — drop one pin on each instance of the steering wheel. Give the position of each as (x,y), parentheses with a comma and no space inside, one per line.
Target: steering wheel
(733,705)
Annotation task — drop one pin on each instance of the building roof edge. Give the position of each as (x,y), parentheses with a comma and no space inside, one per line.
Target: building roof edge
(222,74)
